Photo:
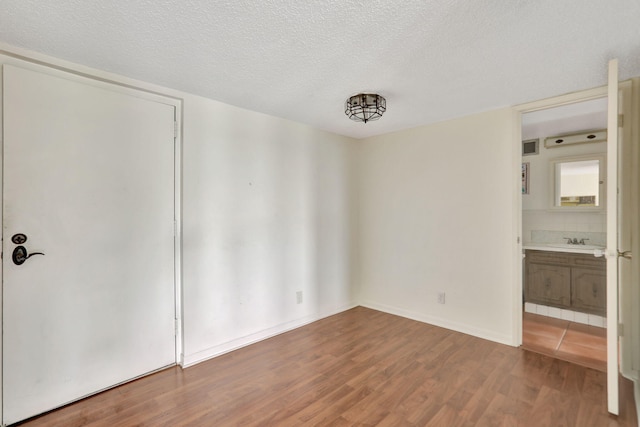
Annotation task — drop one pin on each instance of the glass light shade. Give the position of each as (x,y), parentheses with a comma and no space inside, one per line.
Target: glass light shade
(365,107)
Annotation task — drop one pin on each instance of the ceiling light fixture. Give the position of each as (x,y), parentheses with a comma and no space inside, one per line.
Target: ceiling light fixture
(365,107)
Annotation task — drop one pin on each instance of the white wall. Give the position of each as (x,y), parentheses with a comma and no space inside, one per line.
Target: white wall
(271,207)
(437,207)
(539,171)
(267,212)
(535,205)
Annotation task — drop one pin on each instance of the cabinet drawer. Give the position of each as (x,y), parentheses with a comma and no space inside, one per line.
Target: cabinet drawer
(542,257)
(564,258)
(589,261)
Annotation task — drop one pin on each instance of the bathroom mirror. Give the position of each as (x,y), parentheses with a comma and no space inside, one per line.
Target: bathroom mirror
(577,183)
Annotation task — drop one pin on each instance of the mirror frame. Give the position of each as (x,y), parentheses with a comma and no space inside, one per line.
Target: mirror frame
(554,184)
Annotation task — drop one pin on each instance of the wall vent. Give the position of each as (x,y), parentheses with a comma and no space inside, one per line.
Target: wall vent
(576,138)
(530,147)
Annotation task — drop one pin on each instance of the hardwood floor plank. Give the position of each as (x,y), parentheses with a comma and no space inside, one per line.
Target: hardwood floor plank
(446,416)
(360,368)
(574,342)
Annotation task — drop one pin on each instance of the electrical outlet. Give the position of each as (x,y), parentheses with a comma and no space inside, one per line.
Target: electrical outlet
(440,297)
(299,297)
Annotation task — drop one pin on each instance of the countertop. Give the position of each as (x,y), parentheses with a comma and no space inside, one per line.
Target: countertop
(555,247)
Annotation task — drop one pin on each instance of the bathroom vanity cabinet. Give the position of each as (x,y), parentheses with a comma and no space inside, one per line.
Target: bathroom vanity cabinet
(566,280)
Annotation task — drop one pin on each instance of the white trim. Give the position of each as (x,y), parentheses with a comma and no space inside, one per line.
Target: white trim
(518,111)
(517,288)
(22,56)
(177,204)
(1,222)
(612,239)
(227,347)
(636,398)
(442,323)
(557,101)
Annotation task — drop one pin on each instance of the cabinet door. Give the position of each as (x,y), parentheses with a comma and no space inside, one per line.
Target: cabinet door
(548,284)
(589,290)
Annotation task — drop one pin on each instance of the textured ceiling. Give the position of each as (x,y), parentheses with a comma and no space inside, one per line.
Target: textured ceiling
(432,59)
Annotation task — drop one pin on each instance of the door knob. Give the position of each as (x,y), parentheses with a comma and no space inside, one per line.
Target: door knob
(20,255)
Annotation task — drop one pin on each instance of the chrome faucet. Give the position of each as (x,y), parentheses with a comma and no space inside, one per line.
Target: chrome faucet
(582,241)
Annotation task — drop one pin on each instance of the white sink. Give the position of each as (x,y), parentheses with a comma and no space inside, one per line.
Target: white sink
(570,246)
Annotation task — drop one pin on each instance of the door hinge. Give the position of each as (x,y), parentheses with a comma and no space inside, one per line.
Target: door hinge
(175,129)
(620,329)
(620,120)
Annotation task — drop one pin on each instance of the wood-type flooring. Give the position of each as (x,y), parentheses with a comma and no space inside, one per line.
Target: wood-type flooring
(574,342)
(361,368)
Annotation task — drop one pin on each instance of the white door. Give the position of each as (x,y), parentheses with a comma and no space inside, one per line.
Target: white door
(88,179)
(612,239)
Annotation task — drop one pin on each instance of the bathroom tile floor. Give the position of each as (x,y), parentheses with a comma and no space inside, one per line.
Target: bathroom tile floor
(573,342)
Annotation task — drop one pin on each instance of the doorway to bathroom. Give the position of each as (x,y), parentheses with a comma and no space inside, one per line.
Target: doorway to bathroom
(564,232)
(577,268)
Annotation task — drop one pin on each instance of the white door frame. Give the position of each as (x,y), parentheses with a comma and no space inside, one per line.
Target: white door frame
(47,65)
(613,225)
(518,110)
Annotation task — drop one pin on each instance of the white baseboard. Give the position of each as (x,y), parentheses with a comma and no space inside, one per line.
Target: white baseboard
(443,323)
(636,397)
(218,350)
